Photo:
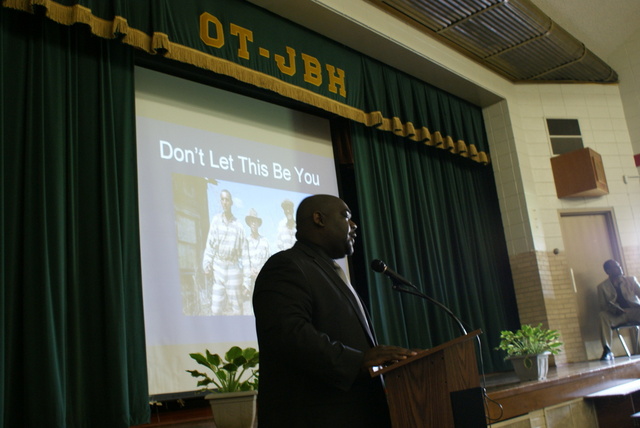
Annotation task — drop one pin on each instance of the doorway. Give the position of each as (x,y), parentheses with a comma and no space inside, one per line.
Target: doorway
(590,238)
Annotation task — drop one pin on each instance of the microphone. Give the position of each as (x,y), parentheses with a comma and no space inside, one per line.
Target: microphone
(381,267)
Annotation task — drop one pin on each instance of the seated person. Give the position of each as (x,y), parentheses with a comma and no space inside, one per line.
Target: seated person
(619,301)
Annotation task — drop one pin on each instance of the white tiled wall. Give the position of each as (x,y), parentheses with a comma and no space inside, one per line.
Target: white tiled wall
(508,168)
(600,113)
(626,61)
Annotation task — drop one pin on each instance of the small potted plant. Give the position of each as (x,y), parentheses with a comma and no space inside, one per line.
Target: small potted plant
(529,348)
(233,385)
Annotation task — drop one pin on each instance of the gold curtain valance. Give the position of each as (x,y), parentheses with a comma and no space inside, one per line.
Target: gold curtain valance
(357,90)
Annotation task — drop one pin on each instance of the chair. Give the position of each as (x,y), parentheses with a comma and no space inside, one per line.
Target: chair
(635,326)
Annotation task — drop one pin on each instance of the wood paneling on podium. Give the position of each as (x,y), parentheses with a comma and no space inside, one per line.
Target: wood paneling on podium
(437,388)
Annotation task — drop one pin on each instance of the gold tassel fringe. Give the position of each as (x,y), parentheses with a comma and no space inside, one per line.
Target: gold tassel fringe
(159,43)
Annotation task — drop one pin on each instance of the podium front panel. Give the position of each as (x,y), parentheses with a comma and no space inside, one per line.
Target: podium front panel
(416,394)
(439,388)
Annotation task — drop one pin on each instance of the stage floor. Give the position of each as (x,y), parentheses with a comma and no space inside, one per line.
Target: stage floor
(564,382)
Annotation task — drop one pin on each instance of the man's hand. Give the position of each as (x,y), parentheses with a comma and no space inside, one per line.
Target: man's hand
(384,354)
(616,310)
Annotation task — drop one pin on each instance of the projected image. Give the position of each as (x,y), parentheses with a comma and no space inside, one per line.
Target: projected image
(225,232)
(219,179)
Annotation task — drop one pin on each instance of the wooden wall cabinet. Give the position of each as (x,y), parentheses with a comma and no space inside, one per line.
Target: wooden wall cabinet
(579,173)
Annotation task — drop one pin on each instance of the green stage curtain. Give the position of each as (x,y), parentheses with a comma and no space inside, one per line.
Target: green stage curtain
(435,219)
(72,346)
(268,52)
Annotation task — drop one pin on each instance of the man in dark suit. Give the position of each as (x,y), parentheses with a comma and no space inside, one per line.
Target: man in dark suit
(316,341)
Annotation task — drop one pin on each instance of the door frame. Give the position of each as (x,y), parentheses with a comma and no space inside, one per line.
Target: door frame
(592,346)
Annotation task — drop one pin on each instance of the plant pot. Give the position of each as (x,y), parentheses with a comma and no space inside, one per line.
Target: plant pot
(531,367)
(233,409)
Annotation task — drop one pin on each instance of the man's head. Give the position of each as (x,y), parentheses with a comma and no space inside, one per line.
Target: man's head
(253,221)
(226,201)
(325,220)
(613,269)
(287,208)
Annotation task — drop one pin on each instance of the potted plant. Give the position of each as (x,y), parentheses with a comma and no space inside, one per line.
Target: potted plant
(529,348)
(232,384)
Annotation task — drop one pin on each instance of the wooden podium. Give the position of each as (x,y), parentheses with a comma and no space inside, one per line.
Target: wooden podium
(437,388)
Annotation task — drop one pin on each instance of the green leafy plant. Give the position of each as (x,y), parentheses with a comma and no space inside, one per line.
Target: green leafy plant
(529,340)
(228,372)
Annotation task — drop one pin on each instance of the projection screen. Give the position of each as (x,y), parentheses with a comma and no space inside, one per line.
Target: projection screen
(200,150)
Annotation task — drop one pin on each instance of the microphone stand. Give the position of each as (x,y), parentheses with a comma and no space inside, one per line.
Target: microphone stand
(409,288)
(398,286)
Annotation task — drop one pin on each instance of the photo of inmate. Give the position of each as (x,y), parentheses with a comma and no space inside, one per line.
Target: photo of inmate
(225,232)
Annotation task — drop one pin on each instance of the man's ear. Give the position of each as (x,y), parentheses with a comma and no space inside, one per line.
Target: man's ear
(318,218)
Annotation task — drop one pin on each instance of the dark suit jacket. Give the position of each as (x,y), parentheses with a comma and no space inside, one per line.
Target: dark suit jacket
(312,339)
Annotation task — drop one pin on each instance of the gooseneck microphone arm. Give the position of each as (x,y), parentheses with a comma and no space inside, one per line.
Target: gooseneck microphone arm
(404,286)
